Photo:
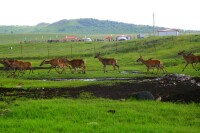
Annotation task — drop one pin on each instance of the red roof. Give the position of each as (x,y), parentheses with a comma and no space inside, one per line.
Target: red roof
(109,37)
(71,38)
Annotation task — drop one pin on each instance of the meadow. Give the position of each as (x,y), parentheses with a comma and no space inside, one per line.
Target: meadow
(98,115)
(126,53)
(87,113)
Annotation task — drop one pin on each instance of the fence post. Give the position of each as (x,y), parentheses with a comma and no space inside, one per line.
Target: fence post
(94,48)
(48,50)
(116,48)
(21,51)
(154,44)
(71,50)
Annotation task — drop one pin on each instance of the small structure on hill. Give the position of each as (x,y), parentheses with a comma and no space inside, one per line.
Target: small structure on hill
(86,39)
(109,38)
(168,32)
(71,39)
(123,38)
(140,36)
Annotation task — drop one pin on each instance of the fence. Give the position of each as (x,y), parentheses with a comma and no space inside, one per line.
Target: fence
(41,50)
(50,50)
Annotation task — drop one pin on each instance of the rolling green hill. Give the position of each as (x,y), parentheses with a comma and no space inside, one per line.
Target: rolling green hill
(81,26)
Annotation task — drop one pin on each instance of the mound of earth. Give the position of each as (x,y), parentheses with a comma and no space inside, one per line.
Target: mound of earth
(172,88)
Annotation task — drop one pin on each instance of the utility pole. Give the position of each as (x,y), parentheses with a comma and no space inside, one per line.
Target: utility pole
(153,24)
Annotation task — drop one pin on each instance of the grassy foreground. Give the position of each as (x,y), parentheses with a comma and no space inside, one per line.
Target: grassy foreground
(98,115)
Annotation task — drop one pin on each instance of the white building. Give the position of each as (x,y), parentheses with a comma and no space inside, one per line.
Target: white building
(168,32)
(87,39)
(123,37)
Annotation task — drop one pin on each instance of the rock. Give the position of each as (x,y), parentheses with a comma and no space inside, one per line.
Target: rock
(142,95)
(198,84)
(175,79)
(158,98)
(122,99)
(193,81)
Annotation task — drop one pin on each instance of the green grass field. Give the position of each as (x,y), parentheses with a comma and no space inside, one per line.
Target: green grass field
(98,115)
(126,53)
(88,114)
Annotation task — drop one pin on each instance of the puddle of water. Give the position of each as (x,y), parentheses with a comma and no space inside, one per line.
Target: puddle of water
(74,79)
(91,79)
(131,72)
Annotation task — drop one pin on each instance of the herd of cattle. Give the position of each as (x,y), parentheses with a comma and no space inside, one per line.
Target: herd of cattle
(63,63)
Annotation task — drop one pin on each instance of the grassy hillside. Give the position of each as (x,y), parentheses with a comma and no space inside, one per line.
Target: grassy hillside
(82,27)
(93,26)
(151,46)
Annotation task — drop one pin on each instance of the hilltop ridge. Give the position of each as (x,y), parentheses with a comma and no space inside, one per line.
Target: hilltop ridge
(80,26)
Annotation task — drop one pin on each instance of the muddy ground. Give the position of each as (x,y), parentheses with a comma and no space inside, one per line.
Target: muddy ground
(172,88)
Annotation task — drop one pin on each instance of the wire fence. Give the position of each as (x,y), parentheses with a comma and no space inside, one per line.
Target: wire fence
(40,50)
(50,50)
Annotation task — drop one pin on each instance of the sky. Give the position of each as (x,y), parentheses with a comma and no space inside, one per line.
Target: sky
(181,14)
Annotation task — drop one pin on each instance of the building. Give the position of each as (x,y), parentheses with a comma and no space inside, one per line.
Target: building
(140,36)
(168,32)
(71,39)
(123,38)
(109,38)
(86,39)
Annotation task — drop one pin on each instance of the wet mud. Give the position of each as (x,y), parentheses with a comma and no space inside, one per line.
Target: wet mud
(172,88)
